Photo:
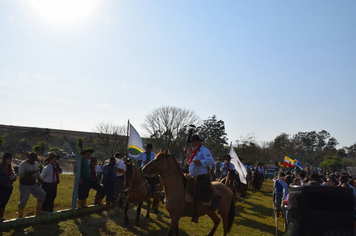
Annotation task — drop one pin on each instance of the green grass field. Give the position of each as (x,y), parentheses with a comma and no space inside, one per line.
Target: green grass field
(253,217)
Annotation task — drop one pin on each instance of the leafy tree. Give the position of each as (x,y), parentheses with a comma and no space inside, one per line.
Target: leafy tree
(213,131)
(351,150)
(110,138)
(249,150)
(2,140)
(168,128)
(334,163)
(24,144)
(282,145)
(40,147)
(332,143)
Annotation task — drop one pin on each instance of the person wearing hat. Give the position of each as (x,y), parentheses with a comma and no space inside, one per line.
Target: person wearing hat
(50,179)
(226,166)
(84,180)
(29,172)
(200,163)
(94,181)
(109,179)
(7,177)
(145,157)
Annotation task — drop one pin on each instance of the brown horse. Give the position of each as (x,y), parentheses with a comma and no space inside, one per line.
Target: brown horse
(173,182)
(231,181)
(138,190)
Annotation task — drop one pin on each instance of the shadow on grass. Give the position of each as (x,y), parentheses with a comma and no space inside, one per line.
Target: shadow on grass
(258,225)
(89,225)
(158,224)
(36,230)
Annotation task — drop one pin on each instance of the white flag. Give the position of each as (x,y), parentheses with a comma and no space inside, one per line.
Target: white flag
(238,165)
(135,141)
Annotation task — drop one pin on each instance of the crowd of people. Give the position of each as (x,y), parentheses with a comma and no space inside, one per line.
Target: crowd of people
(107,180)
(285,179)
(44,189)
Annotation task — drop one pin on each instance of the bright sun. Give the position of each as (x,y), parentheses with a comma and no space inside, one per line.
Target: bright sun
(64,11)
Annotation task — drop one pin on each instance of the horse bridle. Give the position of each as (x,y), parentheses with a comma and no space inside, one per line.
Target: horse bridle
(140,186)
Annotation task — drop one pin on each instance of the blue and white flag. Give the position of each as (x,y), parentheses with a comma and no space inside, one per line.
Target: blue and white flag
(298,165)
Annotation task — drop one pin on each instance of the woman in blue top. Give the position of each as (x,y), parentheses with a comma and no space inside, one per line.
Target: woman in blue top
(7,177)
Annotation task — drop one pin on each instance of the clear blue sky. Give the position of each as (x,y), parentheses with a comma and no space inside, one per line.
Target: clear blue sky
(263,67)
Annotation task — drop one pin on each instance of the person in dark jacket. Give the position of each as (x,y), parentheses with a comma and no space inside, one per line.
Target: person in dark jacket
(109,177)
(7,177)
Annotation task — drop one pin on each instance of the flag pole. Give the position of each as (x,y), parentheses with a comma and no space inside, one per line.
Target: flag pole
(127,136)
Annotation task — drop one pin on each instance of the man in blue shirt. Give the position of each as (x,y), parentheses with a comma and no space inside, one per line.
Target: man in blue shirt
(226,166)
(200,163)
(146,157)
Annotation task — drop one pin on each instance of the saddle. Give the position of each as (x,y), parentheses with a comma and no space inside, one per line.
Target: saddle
(191,183)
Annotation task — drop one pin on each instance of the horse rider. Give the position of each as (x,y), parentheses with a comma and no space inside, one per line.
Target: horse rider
(260,168)
(145,157)
(226,166)
(200,163)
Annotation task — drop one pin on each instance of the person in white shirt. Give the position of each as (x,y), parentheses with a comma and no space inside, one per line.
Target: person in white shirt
(99,170)
(50,179)
(28,173)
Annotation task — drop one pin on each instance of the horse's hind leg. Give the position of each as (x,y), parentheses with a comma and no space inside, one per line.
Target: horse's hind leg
(216,221)
(138,213)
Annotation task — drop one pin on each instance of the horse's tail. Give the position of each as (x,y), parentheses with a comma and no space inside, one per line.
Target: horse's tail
(231,214)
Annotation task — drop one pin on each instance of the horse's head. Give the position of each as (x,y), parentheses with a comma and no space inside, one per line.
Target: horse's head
(158,165)
(129,174)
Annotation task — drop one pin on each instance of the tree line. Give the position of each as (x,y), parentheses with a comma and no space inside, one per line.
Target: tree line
(167,128)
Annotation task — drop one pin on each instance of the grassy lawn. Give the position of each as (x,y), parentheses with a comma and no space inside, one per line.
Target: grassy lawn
(253,217)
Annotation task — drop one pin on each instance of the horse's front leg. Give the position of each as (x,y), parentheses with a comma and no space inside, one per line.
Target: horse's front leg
(216,221)
(177,229)
(126,217)
(173,228)
(155,203)
(138,213)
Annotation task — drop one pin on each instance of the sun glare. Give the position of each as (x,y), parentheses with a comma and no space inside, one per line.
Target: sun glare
(64,11)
